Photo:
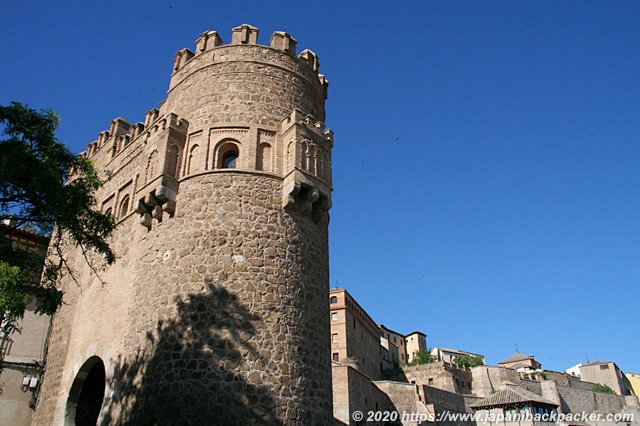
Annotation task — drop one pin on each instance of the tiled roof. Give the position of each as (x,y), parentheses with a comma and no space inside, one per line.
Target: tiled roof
(516,357)
(511,396)
(456,351)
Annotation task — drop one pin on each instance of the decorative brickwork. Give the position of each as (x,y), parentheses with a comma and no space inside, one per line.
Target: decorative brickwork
(216,309)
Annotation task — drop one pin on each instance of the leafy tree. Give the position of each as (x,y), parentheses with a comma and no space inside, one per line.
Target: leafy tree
(421,357)
(603,388)
(44,188)
(468,361)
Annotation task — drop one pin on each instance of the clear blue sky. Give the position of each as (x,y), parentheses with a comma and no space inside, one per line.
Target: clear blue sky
(486,161)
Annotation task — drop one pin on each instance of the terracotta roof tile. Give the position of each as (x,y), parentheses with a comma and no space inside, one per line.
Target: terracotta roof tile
(510,396)
(516,357)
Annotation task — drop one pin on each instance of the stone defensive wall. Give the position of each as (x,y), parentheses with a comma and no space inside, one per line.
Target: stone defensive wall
(215,311)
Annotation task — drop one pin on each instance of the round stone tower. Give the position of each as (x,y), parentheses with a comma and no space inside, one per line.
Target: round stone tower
(216,311)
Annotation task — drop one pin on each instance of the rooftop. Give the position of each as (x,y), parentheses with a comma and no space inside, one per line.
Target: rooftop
(516,357)
(511,396)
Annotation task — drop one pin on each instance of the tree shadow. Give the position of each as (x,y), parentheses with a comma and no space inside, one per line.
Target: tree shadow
(188,373)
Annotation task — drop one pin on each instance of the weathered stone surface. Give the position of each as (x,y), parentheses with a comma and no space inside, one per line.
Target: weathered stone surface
(216,310)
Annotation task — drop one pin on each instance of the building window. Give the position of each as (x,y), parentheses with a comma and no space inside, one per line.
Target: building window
(334,338)
(227,156)
(124,206)
(604,367)
(173,161)
(334,316)
(336,356)
(334,299)
(229,160)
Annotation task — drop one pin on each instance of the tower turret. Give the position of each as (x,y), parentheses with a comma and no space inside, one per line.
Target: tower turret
(216,311)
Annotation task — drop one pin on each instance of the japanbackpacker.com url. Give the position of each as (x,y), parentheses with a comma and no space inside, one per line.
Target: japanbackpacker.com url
(449,416)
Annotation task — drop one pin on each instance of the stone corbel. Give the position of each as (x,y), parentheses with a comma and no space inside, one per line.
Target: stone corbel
(306,195)
(145,220)
(289,193)
(307,198)
(155,203)
(168,198)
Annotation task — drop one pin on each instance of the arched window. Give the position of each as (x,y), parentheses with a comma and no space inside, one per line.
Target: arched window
(264,157)
(124,206)
(291,161)
(150,166)
(304,151)
(173,158)
(311,159)
(193,157)
(227,156)
(229,160)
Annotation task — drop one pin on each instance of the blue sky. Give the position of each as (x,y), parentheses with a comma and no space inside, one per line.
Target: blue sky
(486,178)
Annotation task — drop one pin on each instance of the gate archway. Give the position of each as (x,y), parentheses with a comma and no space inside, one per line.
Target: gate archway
(86,394)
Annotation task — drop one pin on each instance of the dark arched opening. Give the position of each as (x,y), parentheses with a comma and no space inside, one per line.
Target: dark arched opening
(86,394)
(228,155)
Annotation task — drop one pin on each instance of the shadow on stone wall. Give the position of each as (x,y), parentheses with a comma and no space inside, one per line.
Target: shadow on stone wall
(188,373)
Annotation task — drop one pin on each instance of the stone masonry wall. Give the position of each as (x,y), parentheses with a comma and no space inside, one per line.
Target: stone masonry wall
(254,84)
(220,300)
(574,400)
(215,311)
(353,391)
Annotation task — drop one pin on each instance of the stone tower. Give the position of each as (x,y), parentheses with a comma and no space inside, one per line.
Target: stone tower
(216,311)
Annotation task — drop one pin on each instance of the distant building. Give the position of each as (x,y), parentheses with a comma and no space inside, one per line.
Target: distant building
(355,337)
(607,373)
(390,354)
(450,355)
(23,353)
(397,339)
(521,363)
(634,380)
(574,371)
(415,342)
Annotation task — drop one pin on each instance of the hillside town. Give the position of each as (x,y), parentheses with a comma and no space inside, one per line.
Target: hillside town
(378,370)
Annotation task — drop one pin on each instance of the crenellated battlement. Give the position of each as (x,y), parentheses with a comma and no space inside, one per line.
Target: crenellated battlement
(238,101)
(247,35)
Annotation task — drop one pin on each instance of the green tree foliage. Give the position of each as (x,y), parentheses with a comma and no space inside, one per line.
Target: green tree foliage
(468,361)
(44,188)
(421,357)
(603,388)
